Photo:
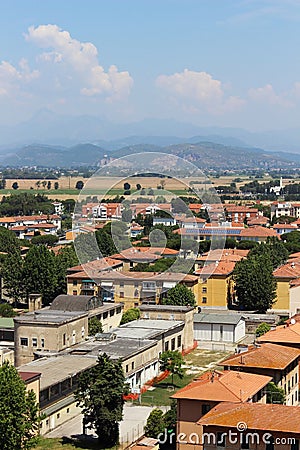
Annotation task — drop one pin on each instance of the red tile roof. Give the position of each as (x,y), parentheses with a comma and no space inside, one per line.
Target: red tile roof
(284,334)
(224,386)
(266,356)
(221,268)
(257,416)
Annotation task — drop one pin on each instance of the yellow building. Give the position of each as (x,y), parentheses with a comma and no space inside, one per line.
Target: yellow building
(130,288)
(215,284)
(285,275)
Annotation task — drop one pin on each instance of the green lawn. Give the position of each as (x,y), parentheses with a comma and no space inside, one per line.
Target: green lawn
(67,444)
(195,363)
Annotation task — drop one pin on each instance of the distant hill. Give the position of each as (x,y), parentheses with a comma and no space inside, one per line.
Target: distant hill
(206,155)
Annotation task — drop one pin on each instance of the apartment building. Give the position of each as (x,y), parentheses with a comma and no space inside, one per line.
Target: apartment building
(195,400)
(16,221)
(279,362)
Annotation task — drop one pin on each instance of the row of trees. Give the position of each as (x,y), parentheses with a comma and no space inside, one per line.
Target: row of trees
(41,271)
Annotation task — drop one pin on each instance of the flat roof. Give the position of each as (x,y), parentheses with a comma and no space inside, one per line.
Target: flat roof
(6,322)
(168,308)
(152,324)
(57,368)
(48,316)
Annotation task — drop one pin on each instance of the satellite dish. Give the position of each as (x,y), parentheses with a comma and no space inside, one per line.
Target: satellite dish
(293,321)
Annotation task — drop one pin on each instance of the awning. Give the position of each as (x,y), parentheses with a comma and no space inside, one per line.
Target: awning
(107,283)
(169,284)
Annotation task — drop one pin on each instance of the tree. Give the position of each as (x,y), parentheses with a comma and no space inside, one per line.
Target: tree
(19,414)
(172,361)
(15,185)
(6,310)
(39,273)
(262,328)
(56,185)
(105,242)
(127,187)
(38,184)
(155,423)
(95,326)
(49,185)
(255,285)
(65,259)
(275,394)
(45,239)
(138,187)
(13,277)
(275,249)
(44,183)
(79,185)
(180,295)
(100,395)
(127,215)
(130,315)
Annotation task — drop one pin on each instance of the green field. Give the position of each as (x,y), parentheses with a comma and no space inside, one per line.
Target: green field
(67,444)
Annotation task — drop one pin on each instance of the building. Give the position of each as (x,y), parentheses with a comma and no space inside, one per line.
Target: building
(279,362)
(110,314)
(282,228)
(287,335)
(17,221)
(130,288)
(240,214)
(195,400)
(215,284)
(143,255)
(45,331)
(217,255)
(266,427)
(218,329)
(285,275)
(169,312)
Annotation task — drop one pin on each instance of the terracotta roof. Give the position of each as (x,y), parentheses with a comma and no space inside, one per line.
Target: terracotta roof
(221,268)
(257,416)
(258,232)
(228,254)
(98,264)
(267,356)
(27,377)
(258,220)
(289,270)
(24,218)
(289,334)
(287,226)
(126,275)
(295,255)
(227,386)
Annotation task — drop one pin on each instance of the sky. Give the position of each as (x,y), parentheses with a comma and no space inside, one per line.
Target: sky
(228,63)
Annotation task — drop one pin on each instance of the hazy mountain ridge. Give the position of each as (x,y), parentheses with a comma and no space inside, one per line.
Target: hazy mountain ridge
(206,155)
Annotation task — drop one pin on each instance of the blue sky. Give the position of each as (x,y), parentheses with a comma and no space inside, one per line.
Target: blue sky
(232,63)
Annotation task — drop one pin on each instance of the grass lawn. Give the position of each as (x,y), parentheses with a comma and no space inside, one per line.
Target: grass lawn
(195,363)
(66,444)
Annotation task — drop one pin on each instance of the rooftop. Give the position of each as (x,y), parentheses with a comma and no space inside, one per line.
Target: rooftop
(230,319)
(257,416)
(6,322)
(267,356)
(48,316)
(219,268)
(168,308)
(227,386)
(283,334)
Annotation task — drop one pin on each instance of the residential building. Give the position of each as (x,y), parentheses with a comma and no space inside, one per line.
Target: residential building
(280,209)
(267,427)
(287,335)
(218,329)
(165,221)
(215,284)
(16,221)
(196,399)
(240,214)
(283,228)
(279,362)
(285,275)
(217,255)
(144,255)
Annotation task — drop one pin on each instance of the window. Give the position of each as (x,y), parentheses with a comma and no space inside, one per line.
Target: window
(68,410)
(24,341)
(221,440)
(111,312)
(204,290)
(136,285)
(295,445)
(42,342)
(74,282)
(179,341)
(166,346)
(82,332)
(173,344)
(204,299)
(105,315)
(126,368)
(296,378)
(205,409)
(74,292)
(121,294)
(57,415)
(34,342)
(132,365)
(64,339)
(121,283)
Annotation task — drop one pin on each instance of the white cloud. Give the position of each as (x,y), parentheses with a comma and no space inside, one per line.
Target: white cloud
(12,78)
(198,90)
(267,95)
(79,60)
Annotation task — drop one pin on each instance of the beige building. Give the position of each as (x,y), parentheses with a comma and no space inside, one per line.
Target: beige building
(179,313)
(46,331)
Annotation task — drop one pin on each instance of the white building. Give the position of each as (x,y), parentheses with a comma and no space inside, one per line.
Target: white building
(224,328)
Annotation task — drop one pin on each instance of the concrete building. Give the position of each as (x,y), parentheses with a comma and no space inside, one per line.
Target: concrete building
(45,331)
(218,329)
